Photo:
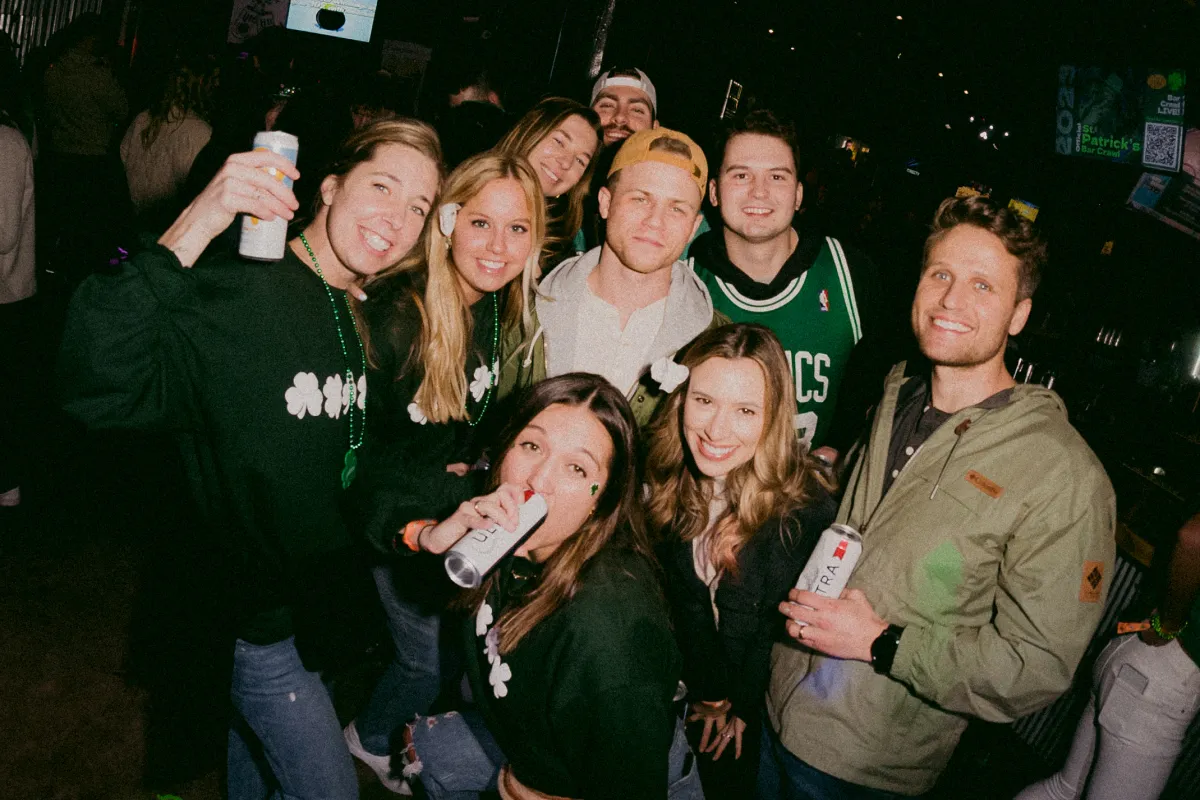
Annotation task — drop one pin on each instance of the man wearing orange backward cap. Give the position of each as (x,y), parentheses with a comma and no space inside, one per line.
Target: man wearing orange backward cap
(620,307)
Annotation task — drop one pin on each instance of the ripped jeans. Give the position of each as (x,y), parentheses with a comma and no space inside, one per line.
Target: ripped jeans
(459,759)
(1133,727)
(285,742)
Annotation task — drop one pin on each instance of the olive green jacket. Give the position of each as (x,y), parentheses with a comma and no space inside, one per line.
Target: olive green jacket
(993,548)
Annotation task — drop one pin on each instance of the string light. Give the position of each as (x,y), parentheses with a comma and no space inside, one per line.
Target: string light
(899,17)
(965,91)
(940,75)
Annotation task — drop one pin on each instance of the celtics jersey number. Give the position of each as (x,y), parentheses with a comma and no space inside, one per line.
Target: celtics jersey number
(816,319)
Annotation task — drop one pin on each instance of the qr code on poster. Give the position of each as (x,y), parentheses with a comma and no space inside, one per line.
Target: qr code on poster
(1162,146)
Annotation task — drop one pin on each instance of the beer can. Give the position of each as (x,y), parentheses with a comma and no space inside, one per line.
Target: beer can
(828,569)
(263,240)
(476,553)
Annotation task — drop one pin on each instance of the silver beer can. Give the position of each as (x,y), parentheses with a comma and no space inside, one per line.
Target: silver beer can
(263,240)
(828,569)
(476,553)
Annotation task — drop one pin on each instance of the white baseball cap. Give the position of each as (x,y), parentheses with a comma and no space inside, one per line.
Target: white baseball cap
(642,82)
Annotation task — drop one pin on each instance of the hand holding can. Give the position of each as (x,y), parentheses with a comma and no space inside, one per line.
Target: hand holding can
(831,563)
(266,239)
(479,551)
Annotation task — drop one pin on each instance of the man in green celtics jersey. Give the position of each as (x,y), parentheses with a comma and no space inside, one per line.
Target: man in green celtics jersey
(813,292)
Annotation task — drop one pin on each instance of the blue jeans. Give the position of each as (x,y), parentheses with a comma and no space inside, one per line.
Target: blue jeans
(285,742)
(461,759)
(412,682)
(782,776)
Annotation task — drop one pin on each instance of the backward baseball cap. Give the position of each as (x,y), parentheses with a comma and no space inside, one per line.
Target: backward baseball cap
(642,82)
(639,147)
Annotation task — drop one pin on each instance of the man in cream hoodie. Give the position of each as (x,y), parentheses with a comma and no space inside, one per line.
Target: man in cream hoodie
(621,310)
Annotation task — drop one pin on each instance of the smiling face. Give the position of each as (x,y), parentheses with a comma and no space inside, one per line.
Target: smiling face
(492,238)
(757,190)
(561,158)
(724,413)
(623,110)
(966,303)
(561,454)
(652,212)
(374,214)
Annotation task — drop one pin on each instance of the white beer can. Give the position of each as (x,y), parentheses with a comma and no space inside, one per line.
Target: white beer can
(263,240)
(828,569)
(474,555)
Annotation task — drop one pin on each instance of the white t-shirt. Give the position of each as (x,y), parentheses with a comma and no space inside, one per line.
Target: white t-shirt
(157,173)
(603,348)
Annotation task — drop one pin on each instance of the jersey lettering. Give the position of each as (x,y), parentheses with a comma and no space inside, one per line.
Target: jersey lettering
(804,365)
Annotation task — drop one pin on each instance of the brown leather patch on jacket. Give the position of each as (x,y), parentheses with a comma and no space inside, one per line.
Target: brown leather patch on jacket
(1093,581)
(988,487)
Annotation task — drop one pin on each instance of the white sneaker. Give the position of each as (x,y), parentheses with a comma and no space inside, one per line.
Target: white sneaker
(380,765)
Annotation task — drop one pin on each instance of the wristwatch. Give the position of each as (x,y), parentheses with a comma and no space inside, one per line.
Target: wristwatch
(883,649)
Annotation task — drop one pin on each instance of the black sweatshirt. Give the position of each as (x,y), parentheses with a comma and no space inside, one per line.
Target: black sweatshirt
(241,359)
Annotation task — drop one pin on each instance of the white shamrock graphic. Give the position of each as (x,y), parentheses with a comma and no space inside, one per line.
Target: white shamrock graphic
(416,414)
(481,383)
(501,673)
(360,395)
(483,619)
(668,374)
(304,397)
(491,645)
(334,391)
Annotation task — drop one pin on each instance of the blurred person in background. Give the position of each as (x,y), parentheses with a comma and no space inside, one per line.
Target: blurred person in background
(163,141)
(475,118)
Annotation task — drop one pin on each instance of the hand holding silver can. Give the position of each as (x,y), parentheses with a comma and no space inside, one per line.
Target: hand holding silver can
(265,240)
(831,563)
(476,553)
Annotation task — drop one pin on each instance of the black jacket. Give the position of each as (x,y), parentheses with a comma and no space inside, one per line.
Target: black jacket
(733,662)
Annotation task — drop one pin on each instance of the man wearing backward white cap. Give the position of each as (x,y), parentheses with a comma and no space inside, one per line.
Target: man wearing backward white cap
(626,101)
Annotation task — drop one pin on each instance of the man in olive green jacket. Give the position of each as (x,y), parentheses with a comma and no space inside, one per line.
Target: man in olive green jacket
(987,528)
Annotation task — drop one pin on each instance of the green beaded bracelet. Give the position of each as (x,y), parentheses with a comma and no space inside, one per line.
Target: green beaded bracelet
(1156,624)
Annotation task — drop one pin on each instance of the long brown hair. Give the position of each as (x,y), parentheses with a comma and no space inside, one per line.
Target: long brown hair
(780,478)
(565,214)
(616,522)
(188,90)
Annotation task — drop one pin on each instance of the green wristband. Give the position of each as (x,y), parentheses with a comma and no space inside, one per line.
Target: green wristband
(1156,624)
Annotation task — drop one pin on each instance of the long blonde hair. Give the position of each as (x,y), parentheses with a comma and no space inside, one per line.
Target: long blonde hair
(446,322)
(780,478)
(615,522)
(565,213)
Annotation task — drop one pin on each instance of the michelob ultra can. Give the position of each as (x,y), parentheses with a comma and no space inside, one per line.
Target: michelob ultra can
(476,553)
(262,240)
(828,569)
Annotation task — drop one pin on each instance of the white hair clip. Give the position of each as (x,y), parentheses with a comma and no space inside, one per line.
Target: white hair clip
(668,373)
(447,214)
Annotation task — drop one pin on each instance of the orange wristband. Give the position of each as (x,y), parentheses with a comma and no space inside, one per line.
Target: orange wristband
(412,532)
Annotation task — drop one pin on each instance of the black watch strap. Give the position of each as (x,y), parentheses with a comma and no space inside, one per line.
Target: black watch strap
(883,649)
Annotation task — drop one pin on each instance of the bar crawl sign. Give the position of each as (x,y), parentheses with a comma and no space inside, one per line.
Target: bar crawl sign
(1127,116)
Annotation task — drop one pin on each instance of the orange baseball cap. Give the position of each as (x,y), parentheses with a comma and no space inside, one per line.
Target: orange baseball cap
(639,147)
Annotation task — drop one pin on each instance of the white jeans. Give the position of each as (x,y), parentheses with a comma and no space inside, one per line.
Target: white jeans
(1143,699)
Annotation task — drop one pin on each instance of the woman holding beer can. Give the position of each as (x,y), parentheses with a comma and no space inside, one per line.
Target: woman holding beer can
(433,324)
(571,660)
(737,504)
(259,369)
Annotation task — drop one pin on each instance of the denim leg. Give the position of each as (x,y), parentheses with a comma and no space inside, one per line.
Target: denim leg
(297,739)
(683,776)
(412,682)
(795,780)
(457,755)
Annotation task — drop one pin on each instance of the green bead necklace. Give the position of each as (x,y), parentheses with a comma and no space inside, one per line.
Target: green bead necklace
(350,462)
(494,364)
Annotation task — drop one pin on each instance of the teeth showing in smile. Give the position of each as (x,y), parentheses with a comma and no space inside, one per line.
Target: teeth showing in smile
(757,211)
(711,451)
(376,242)
(947,325)
(552,176)
(492,265)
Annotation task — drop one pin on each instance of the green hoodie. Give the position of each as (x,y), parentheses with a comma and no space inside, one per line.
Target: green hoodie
(988,575)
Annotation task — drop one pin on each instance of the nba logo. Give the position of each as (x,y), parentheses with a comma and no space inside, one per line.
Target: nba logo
(823,297)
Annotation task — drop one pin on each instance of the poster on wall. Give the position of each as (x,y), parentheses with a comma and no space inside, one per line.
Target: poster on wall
(1126,116)
(251,17)
(1173,199)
